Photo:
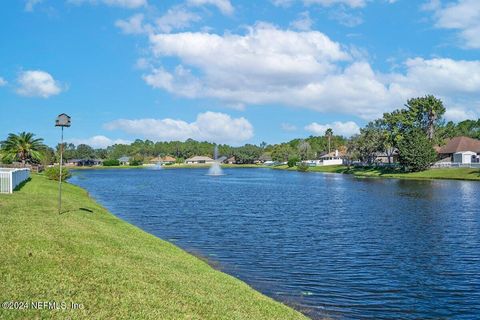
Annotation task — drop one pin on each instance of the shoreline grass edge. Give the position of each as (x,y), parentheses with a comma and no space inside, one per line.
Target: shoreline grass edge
(467,174)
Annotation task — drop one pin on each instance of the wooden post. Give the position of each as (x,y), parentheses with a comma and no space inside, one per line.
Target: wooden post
(60,177)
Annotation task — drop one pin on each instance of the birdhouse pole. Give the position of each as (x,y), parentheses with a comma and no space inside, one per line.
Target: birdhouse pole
(62,121)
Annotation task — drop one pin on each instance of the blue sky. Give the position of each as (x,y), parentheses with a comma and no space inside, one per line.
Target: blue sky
(230,71)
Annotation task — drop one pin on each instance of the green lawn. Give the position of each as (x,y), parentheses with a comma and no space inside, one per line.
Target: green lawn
(115,270)
(445,173)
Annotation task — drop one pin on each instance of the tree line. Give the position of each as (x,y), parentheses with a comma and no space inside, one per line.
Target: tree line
(24,147)
(411,133)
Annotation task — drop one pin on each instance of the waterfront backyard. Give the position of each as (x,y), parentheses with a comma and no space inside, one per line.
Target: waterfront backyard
(330,245)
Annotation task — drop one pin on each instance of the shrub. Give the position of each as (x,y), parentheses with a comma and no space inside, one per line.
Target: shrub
(292,162)
(302,167)
(136,162)
(111,163)
(53,173)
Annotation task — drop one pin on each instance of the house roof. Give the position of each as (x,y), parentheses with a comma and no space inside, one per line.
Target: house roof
(82,160)
(124,159)
(169,159)
(164,159)
(384,154)
(199,158)
(459,144)
(265,157)
(332,154)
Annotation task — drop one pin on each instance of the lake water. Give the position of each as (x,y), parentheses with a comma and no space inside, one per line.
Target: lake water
(330,245)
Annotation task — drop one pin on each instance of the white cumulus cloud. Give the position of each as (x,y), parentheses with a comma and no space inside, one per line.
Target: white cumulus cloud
(97,141)
(130,4)
(306,69)
(326,3)
(30,5)
(461,15)
(176,18)
(225,6)
(303,22)
(132,25)
(37,83)
(3,82)
(456,114)
(346,129)
(208,126)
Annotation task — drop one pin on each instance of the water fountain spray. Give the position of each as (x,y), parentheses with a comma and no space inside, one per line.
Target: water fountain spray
(215,169)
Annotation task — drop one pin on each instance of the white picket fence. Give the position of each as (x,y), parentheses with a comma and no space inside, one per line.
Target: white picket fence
(11,178)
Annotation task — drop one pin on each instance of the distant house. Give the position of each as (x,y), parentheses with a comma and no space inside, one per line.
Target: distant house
(382,157)
(460,150)
(124,161)
(264,158)
(84,162)
(331,159)
(163,160)
(169,159)
(222,159)
(231,160)
(199,160)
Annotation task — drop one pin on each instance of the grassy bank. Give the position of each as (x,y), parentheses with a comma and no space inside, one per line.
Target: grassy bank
(445,173)
(114,270)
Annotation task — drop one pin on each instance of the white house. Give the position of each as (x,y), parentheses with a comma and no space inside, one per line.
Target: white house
(331,159)
(199,160)
(465,157)
(124,161)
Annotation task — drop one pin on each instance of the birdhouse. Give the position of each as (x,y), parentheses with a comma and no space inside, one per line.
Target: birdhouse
(63,120)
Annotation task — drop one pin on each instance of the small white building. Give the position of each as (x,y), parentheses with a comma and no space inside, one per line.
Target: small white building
(331,159)
(124,161)
(199,160)
(270,163)
(465,157)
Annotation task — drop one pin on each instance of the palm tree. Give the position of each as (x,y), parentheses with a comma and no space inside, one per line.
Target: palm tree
(22,147)
(329,135)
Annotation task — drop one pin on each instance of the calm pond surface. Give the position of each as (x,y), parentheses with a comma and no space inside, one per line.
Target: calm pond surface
(330,245)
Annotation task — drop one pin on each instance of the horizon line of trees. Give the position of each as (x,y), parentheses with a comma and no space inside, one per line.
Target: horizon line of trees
(411,132)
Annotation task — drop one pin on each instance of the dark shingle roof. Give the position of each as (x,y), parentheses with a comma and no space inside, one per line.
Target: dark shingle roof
(459,144)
